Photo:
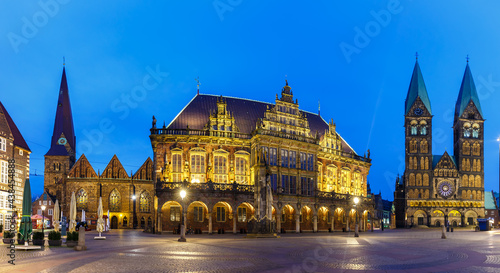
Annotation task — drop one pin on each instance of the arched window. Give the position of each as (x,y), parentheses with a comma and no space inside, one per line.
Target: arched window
(81,200)
(423,128)
(144,202)
(143,222)
(467,129)
(414,130)
(114,201)
(331,174)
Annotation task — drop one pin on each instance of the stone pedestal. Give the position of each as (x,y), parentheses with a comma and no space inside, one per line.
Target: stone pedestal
(263,228)
(81,240)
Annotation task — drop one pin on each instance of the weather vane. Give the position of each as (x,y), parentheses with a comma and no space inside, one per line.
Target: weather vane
(416,55)
(467,58)
(197,79)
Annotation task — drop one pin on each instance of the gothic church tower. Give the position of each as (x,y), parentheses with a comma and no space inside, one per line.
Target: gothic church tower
(468,136)
(61,155)
(418,139)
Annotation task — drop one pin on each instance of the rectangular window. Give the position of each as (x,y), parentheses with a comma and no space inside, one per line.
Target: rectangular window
(242,214)
(303,161)
(310,162)
(241,170)
(51,211)
(3,144)
(198,214)
(284,158)
(285,184)
(274,182)
(40,202)
(293,159)
(273,156)
(293,185)
(221,214)
(220,169)
(20,152)
(4,168)
(39,212)
(50,202)
(175,213)
(198,168)
(45,202)
(176,168)
(310,186)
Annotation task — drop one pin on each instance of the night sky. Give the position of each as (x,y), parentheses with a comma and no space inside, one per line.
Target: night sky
(354,57)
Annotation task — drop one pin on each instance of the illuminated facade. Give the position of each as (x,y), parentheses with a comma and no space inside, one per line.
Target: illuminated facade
(438,189)
(12,146)
(65,175)
(219,148)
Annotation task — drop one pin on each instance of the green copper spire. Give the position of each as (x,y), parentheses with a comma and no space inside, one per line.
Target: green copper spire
(467,93)
(417,89)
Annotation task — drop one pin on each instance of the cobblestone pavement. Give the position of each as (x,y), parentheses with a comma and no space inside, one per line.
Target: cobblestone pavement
(379,251)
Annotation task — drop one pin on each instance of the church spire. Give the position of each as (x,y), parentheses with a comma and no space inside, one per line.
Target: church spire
(63,136)
(417,90)
(467,93)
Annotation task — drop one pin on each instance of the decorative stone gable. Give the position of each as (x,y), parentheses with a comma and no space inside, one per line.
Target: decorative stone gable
(114,169)
(82,169)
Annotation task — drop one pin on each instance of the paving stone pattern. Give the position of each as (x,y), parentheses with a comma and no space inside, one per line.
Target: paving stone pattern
(379,251)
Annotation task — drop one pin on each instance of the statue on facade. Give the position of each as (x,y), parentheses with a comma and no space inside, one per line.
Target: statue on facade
(154,122)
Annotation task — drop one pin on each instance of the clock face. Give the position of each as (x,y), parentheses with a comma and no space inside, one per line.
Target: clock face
(418,111)
(62,141)
(445,189)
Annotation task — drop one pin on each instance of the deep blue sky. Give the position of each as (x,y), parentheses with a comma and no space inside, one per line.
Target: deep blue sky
(245,50)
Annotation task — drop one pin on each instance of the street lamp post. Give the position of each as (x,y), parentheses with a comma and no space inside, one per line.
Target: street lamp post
(356,231)
(43,220)
(183,217)
(134,216)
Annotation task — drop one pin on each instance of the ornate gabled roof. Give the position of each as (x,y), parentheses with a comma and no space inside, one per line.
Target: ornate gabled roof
(467,94)
(417,89)
(82,168)
(114,169)
(63,124)
(16,134)
(245,112)
(145,172)
(440,160)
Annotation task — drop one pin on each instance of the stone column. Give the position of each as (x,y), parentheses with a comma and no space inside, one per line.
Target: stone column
(333,221)
(235,218)
(315,223)
(159,229)
(297,223)
(278,223)
(348,228)
(209,222)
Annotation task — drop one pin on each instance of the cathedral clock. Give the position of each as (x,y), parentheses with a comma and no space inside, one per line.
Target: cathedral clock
(418,111)
(62,141)
(445,189)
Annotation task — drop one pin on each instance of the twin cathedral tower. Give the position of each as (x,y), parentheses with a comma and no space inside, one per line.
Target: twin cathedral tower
(447,188)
